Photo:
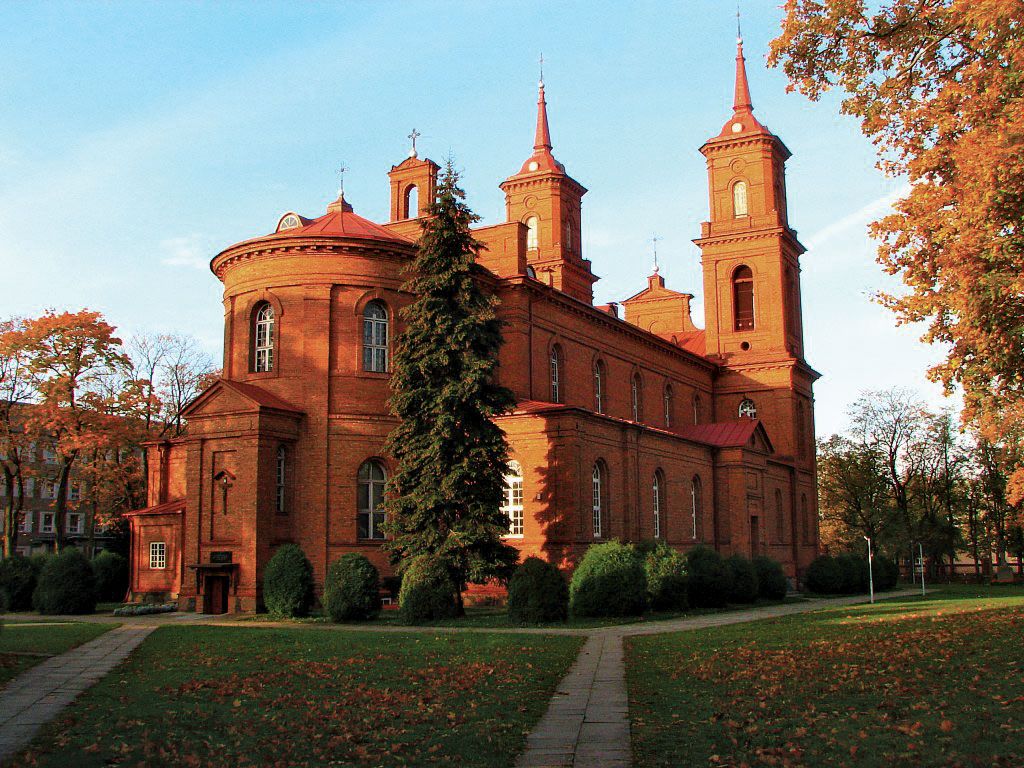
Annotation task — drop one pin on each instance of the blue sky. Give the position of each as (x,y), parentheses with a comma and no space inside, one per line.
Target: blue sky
(140,139)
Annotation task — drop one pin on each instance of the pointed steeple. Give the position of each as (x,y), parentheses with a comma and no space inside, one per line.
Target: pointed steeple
(741,101)
(542,140)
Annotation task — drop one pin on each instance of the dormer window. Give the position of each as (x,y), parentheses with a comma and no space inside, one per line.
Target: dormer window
(289,221)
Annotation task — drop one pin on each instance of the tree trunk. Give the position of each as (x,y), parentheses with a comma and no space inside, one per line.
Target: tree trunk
(60,505)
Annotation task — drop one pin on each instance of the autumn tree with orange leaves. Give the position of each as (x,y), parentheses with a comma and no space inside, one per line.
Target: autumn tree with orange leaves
(938,86)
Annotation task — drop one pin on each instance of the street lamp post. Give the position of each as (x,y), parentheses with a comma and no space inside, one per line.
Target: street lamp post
(871,571)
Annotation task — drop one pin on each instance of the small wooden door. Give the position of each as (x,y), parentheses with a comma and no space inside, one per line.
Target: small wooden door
(755,535)
(215,599)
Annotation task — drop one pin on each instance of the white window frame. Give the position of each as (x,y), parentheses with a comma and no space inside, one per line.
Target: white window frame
(49,490)
(74,491)
(46,522)
(598,388)
(376,337)
(281,476)
(598,499)
(635,393)
(532,233)
(695,501)
(158,555)
(80,520)
(263,339)
(740,203)
(512,500)
(747,409)
(556,375)
(667,402)
(656,500)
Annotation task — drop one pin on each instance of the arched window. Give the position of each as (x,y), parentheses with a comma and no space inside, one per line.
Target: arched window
(371,495)
(512,502)
(667,402)
(657,499)
(743,298)
(780,518)
(556,374)
(263,338)
(281,478)
(805,517)
(531,233)
(410,204)
(598,496)
(739,199)
(696,504)
(696,409)
(637,397)
(747,409)
(375,337)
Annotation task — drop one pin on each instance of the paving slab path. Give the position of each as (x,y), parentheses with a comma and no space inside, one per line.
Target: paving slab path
(37,695)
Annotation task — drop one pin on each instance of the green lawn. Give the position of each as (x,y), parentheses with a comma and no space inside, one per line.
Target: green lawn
(26,645)
(910,681)
(248,696)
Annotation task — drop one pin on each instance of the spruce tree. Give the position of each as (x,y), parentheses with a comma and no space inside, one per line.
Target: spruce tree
(444,499)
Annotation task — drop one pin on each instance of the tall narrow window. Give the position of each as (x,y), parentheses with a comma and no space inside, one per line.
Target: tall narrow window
(780,518)
(556,374)
(739,199)
(597,486)
(657,489)
(696,409)
(282,470)
(696,503)
(263,339)
(667,402)
(743,298)
(531,233)
(410,205)
(805,517)
(512,503)
(371,495)
(599,386)
(567,234)
(636,396)
(375,337)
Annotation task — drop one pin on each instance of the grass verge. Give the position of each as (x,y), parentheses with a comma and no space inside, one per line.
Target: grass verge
(248,696)
(26,645)
(910,681)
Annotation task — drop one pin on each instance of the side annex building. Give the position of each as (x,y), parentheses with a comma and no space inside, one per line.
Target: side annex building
(636,427)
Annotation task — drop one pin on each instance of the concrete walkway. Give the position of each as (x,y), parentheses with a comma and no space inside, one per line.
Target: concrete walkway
(39,694)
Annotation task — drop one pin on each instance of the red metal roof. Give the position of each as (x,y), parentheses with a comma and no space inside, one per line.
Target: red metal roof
(722,434)
(260,396)
(176,505)
(692,341)
(340,223)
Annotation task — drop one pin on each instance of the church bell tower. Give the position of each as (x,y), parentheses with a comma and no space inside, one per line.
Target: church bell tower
(750,259)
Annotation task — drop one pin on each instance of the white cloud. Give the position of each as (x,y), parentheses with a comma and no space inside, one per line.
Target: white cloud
(859,218)
(191,251)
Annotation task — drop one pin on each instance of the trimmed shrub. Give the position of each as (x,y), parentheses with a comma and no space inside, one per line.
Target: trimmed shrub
(824,576)
(710,578)
(667,580)
(887,573)
(744,579)
(427,592)
(352,589)
(855,573)
(17,582)
(111,571)
(288,582)
(771,579)
(609,581)
(66,585)
(537,593)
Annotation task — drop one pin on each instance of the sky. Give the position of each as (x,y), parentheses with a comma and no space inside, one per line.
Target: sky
(140,139)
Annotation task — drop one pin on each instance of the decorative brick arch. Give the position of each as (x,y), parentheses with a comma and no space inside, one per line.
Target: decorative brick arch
(256,301)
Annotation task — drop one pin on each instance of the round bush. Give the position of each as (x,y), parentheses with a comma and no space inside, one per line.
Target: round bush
(537,593)
(887,573)
(17,582)
(744,579)
(824,576)
(111,571)
(771,579)
(855,573)
(352,589)
(710,578)
(667,581)
(427,592)
(609,581)
(66,585)
(288,582)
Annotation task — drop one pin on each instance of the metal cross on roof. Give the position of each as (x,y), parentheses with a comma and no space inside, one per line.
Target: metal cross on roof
(655,239)
(542,69)
(414,135)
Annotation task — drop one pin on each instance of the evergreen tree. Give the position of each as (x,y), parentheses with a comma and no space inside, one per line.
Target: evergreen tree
(444,499)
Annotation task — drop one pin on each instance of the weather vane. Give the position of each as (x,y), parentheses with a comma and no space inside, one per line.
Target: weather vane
(655,239)
(739,31)
(341,179)
(414,135)
(542,69)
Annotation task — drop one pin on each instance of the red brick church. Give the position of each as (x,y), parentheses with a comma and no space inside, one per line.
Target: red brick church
(632,423)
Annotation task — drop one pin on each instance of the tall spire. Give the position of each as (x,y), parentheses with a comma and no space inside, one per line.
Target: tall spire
(543,138)
(741,102)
